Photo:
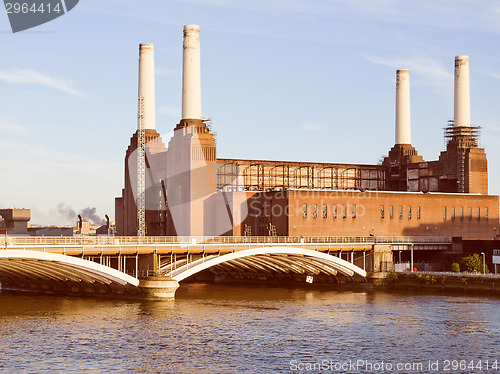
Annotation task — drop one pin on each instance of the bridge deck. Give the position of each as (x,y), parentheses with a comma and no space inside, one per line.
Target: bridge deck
(109,245)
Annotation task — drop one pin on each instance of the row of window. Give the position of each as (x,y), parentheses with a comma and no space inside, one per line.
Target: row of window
(461,213)
(352,211)
(400,211)
(445,212)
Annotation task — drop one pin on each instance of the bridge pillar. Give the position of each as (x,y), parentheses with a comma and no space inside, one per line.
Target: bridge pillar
(382,258)
(147,265)
(158,287)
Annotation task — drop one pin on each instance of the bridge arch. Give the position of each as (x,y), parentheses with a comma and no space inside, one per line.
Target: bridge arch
(277,258)
(56,272)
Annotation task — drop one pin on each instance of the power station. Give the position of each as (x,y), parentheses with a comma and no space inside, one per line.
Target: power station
(184,189)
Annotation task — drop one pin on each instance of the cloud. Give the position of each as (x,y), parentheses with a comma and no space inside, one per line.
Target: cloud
(311,127)
(430,72)
(171,111)
(54,161)
(494,128)
(14,128)
(26,148)
(28,76)
(494,75)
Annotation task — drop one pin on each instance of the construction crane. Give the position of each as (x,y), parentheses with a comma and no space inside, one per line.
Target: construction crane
(141,170)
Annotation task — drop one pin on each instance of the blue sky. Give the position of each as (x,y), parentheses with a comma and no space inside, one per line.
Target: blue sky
(306,80)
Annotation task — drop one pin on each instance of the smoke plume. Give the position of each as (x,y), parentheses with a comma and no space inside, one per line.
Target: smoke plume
(66,212)
(87,213)
(90,215)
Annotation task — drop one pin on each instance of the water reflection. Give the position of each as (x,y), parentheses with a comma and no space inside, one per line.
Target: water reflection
(234,329)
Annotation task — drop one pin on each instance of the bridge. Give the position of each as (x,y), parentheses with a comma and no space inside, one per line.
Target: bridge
(154,266)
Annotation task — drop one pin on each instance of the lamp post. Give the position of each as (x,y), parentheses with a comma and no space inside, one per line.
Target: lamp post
(411,257)
(3,232)
(484,263)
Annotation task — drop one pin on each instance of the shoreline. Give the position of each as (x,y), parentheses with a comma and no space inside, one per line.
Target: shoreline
(443,282)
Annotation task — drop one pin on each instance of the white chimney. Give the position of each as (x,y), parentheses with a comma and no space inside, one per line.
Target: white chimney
(403,124)
(191,75)
(147,83)
(462,91)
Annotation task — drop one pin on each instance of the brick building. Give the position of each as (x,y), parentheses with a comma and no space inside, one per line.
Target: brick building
(191,191)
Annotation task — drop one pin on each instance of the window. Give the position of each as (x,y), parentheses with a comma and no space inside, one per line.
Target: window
(400,212)
(315,210)
(478,213)
(325,211)
(391,211)
(452,212)
(409,212)
(304,210)
(344,211)
(485,213)
(470,213)
(354,211)
(461,212)
(382,211)
(418,212)
(444,212)
(334,211)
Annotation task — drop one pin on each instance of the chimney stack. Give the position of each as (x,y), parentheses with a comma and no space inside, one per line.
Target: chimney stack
(147,83)
(462,92)
(403,124)
(191,75)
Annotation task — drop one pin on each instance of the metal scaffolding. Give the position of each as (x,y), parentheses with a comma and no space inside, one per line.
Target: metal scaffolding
(141,170)
(252,175)
(459,139)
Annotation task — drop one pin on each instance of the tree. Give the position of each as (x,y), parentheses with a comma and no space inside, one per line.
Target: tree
(455,267)
(474,264)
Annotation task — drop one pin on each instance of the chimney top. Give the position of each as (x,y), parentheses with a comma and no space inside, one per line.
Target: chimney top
(146,47)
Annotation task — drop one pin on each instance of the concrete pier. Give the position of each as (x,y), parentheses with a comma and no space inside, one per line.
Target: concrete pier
(158,287)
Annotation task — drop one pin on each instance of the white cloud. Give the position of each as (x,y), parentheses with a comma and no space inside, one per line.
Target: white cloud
(171,111)
(311,127)
(26,148)
(40,177)
(494,75)
(29,76)
(14,128)
(494,128)
(430,72)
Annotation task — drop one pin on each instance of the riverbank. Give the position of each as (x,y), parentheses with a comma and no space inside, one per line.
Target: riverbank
(474,284)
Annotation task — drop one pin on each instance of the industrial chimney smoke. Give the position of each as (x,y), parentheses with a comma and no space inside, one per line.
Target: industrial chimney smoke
(403,124)
(462,91)
(191,74)
(147,83)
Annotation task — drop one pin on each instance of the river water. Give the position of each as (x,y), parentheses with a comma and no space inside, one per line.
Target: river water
(251,329)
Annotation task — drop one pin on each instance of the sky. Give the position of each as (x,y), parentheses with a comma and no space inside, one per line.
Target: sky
(298,80)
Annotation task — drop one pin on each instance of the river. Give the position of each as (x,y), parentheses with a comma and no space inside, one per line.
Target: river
(251,329)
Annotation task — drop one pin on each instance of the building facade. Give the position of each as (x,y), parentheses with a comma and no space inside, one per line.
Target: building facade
(191,191)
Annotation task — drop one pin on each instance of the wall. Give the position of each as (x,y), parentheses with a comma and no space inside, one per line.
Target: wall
(368,218)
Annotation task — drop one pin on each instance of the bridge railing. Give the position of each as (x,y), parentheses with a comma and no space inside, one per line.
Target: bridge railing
(169,240)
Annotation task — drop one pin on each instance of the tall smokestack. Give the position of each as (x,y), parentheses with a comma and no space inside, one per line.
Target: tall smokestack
(191,75)
(462,91)
(147,83)
(403,124)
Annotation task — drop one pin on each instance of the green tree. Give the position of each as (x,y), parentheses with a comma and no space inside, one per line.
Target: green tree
(455,267)
(474,264)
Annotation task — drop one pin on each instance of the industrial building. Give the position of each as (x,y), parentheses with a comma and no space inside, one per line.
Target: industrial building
(15,221)
(184,188)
